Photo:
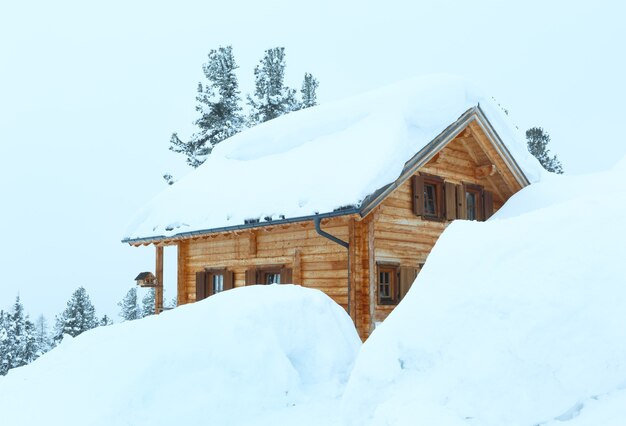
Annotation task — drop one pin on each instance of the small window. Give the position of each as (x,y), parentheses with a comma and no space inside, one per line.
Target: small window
(473,202)
(387,281)
(212,281)
(218,282)
(271,277)
(271,274)
(428,197)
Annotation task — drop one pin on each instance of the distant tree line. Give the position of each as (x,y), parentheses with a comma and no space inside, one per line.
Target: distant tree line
(220,107)
(22,341)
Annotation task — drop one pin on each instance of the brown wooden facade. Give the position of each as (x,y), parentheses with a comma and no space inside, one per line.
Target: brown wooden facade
(388,242)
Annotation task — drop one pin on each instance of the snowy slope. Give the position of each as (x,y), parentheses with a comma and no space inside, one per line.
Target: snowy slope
(318,159)
(527,328)
(247,356)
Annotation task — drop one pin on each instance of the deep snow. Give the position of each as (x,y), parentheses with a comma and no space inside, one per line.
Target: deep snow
(322,158)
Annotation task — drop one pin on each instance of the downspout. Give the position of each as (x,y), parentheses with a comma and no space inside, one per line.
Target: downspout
(318,221)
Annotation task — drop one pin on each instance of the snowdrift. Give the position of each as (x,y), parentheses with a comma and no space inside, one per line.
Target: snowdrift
(520,320)
(253,355)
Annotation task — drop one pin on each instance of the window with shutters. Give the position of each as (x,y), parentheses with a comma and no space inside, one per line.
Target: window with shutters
(428,197)
(387,281)
(273,274)
(213,281)
(474,202)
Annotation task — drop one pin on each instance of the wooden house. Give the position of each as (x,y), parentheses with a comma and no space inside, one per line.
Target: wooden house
(364,253)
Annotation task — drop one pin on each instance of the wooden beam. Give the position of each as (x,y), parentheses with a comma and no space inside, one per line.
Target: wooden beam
(158,293)
(484,171)
(252,243)
(181,294)
(297,268)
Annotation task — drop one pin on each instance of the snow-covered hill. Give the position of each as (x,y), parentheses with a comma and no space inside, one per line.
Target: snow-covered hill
(520,320)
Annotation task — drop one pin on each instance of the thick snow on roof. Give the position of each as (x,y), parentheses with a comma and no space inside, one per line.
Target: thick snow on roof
(261,355)
(527,328)
(319,159)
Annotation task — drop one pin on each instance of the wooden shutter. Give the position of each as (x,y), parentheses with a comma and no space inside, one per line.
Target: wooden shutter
(201,279)
(488,201)
(251,277)
(407,276)
(461,202)
(229,280)
(450,194)
(418,195)
(286,276)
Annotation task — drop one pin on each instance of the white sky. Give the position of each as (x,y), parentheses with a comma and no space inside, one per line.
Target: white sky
(91,91)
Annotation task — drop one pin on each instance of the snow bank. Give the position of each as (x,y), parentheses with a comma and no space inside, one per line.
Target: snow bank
(319,159)
(245,356)
(520,320)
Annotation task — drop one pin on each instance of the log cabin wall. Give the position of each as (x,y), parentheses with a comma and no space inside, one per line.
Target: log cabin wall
(399,237)
(315,261)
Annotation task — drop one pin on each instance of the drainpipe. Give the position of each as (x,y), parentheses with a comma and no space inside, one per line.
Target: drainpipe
(334,239)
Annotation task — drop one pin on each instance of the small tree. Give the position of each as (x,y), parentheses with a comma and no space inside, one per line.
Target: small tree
(17,340)
(129,306)
(105,320)
(308,91)
(4,343)
(147,303)
(219,107)
(271,97)
(78,317)
(537,140)
(42,336)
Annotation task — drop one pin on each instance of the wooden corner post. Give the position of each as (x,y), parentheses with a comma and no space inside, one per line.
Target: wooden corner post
(158,291)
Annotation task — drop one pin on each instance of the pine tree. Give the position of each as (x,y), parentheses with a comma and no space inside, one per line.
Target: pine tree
(105,320)
(17,340)
(308,91)
(42,337)
(271,97)
(219,107)
(129,306)
(78,317)
(537,140)
(147,303)
(4,343)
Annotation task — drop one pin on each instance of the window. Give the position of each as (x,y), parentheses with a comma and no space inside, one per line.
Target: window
(212,281)
(387,281)
(428,197)
(272,274)
(474,202)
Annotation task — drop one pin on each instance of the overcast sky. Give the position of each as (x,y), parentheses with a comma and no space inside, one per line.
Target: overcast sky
(91,91)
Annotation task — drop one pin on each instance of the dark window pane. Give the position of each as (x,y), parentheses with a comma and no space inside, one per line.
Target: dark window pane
(430,199)
(272,278)
(383,285)
(218,283)
(470,200)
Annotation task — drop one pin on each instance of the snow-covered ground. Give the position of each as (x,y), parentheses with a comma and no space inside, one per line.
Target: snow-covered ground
(520,320)
(256,355)
(517,321)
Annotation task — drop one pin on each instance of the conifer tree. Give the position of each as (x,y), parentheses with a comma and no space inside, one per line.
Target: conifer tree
(271,97)
(42,336)
(129,306)
(537,140)
(105,320)
(308,91)
(4,344)
(219,107)
(147,303)
(17,340)
(78,317)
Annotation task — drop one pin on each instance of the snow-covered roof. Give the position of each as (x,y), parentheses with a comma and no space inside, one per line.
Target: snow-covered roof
(320,159)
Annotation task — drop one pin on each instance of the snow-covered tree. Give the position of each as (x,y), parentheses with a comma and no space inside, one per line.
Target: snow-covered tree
(78,317)
(105,320)
(129,307)
(537,140)
(271,97)
(308,91)
(219,107)
(18,345)
(147,303)
(42,336)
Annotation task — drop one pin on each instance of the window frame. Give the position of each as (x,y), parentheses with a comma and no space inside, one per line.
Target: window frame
(438,183)
(394,283)
(477,191)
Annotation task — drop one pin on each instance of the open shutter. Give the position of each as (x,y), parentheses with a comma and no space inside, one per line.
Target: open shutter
(461,202)
(407,276)
(418,195)
(488,201)
(201,279)
(286,276)
(229,280)
(251,277)
(450,194)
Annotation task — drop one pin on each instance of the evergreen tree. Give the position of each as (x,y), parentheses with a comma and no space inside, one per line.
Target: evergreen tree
(129,306)
(147,303)
(42,336)
(4,343)
(271,97)
(106,321)
(17,340)
(78,317)
(219,107)
(537,140)
(308,91)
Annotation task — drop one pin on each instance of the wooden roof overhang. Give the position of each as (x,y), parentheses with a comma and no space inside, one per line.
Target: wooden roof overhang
(472,115)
